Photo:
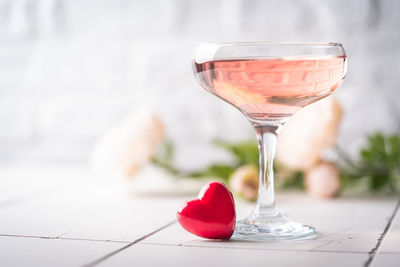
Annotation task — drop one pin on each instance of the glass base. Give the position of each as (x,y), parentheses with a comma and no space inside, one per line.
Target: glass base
(257,227)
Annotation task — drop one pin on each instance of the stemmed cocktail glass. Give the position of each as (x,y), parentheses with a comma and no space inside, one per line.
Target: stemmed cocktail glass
(268,83)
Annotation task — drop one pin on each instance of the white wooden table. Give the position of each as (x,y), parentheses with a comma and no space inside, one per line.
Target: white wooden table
(69,217)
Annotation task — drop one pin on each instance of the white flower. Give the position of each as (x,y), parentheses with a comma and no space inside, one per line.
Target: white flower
(129,145)
(244,181)
(323,180)
(308,134)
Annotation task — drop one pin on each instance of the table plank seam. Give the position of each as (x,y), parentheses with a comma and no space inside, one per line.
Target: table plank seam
(376,249)
(389,252)
(324,244)
(283,249)
(95,240)
(186,242)
(335,233)
(29,236)
(65,238)
(258,249)
(66,232)
(105,257)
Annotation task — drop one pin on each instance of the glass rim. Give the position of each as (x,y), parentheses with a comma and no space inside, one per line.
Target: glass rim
(309,44)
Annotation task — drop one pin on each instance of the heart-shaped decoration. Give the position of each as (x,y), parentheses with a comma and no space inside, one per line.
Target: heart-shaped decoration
(212,215)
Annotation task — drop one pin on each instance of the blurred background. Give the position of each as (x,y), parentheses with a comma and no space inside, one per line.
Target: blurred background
(69,69)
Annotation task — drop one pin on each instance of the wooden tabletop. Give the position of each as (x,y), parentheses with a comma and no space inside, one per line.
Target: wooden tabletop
(70,217)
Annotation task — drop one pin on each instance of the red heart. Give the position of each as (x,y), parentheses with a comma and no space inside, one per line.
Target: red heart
(212,215)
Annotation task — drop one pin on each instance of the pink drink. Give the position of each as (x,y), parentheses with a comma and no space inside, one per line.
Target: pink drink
(271,88)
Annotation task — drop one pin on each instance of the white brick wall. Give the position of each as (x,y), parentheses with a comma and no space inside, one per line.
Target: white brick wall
(69,69)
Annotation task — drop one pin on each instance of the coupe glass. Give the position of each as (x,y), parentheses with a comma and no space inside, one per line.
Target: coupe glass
(268,83)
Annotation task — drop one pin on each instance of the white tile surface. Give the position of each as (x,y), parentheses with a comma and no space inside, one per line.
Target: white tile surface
(161,255)
(349,241)
(83,206)
(79,205)
(17,251)
(172,235)
(301,207)
(121,218)
(30,220)
(391,243)
(349,235)
(387,260)
(19,184)
(307,245)
(341,224)
(176,235)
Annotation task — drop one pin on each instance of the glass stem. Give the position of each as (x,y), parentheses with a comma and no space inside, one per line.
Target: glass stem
(267,135)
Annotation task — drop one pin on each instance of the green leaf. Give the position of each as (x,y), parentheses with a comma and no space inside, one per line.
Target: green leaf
(295,180)
(394,148)
(379,163)
(169,152)
(165,158)
(244,152)
(220,171)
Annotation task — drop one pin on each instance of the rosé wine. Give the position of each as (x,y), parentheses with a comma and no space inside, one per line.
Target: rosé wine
(272,88)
